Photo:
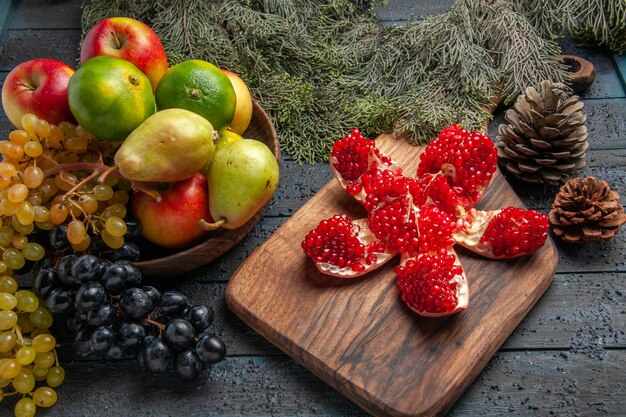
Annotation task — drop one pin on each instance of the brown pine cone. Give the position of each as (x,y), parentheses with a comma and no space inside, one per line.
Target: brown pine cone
(545,139)
(586,210)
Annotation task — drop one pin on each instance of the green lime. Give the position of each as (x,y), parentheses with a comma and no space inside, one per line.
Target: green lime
(200,87)
(110,97)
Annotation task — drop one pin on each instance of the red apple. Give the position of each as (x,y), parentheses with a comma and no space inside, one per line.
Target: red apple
(38,86)
(173,221)
(243,108)
(129,39)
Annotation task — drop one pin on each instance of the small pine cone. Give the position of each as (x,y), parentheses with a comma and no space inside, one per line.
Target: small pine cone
(546,138)
(586,210)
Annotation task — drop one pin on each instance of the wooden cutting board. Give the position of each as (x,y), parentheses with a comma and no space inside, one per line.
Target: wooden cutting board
(358,336)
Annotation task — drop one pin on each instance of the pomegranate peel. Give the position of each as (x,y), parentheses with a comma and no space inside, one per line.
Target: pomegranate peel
(345,248)
(505,233)
(433,284)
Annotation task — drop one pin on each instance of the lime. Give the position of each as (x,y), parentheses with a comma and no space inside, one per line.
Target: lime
(110,97)
(200,87)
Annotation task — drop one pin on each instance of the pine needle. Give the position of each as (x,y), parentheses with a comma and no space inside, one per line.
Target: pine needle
(322,67)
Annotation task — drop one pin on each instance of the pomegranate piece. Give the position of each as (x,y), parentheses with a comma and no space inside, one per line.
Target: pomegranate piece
(353,156)
(344,248)
(466,160)
(395,223)
(504,233)
(433,284)
(435,228)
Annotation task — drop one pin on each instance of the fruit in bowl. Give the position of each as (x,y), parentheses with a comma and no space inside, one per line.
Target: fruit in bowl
(128,39)
(38,86)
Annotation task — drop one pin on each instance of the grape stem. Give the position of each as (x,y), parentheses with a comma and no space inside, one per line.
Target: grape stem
(76,166)
(84,181)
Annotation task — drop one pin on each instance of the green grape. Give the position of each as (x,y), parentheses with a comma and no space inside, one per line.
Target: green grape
(25,229)
(42,128)
(47,225)
(88,203)
(25,407)
(32,176)
(6,235)
(19,241)
(27,301)
(25,355)
(117,210)
(7,301)
(4,383)
(19,136)
(41,213)
(68,129)
(24,382)
(43,343)
(4,181)
(82,245)
(115,226)
(29,121)
(23,321)
(7,169)
(45,397)
(58,213)
(7,208)
(8,284)
(40,373)
(13,258)
(25,213)
(33,251)
(3,267)
(56,376)
(18,192)
(76,144)
(102,192)
(41,318)
(33,149)
(34,199)
(76,231)
(8,340)
(9,368)
(114,242)
(48,188)
(8,319)
(45,360)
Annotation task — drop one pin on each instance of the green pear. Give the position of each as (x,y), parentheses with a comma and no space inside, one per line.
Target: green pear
(171,145)
(242,178)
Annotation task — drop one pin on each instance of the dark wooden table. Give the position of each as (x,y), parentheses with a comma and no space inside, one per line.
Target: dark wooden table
(568,356)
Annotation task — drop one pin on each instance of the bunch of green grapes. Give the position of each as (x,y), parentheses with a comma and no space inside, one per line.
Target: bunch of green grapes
(29,367)
(52,175)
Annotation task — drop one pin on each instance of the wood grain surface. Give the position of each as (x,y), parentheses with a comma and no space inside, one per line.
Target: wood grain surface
(358,336)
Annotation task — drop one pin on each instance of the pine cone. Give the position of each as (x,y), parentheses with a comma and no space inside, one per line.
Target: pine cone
(546,138)
(586,210)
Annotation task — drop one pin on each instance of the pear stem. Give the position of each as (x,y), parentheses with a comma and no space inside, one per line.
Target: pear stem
(205,225)
(146,188)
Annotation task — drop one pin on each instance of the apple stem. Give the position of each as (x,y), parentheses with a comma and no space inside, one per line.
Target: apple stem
(29,86)
(118,44)
(205,225)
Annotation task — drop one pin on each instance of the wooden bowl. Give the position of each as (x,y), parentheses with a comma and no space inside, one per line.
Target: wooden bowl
(161,262)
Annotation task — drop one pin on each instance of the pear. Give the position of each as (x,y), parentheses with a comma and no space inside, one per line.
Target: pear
(242,178)
(171,145)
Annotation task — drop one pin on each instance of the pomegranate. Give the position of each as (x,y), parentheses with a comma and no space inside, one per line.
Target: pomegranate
(345,248)
(352,157)
(421,218)
(466,160)
(504,233)
(433,284)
